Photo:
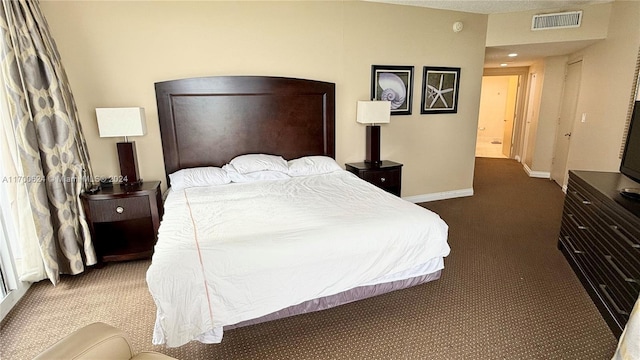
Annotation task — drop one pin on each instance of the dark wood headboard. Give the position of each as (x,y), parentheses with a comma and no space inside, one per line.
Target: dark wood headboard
(208,121)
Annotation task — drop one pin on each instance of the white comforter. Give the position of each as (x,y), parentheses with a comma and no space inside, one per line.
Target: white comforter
(235,252)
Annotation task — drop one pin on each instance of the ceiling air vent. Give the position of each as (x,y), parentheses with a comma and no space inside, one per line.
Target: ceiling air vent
(570,19)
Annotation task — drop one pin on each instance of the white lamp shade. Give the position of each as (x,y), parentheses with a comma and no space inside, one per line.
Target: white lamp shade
(374,112)
(120,122)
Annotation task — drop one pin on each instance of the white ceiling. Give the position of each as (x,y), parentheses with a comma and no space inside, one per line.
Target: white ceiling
(527,54)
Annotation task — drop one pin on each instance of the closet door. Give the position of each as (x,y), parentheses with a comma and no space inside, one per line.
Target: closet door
(559,171)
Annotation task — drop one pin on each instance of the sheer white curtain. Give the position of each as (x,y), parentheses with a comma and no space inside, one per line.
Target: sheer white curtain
(13,226)
(12,287)
(14,201)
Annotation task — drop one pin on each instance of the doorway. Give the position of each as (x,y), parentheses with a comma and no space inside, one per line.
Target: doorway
(559,172)
(497,116)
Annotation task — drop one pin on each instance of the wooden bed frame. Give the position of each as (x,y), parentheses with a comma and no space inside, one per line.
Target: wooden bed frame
(208,121)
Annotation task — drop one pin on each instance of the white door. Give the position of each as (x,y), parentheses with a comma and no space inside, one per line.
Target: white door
(533,83)
(566,120)
(510,115)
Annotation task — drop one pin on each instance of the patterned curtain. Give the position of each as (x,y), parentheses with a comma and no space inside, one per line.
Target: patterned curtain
(52,151)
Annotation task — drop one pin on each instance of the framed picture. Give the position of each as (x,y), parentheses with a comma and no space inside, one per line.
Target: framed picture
(440,90)
(395,84)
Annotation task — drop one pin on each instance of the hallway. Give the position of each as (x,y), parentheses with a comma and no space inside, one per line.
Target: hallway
(489,148)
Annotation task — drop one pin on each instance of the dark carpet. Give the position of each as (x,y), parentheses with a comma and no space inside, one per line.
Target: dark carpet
(506,293)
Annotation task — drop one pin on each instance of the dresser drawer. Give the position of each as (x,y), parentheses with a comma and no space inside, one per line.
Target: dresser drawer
(605,246)
(600,235)
(622,240)
(578,239)
(615,237)
(620,256)
(119,209)
(383,178)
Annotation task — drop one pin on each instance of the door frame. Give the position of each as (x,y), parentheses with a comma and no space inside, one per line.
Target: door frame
(518,123)
(571,122)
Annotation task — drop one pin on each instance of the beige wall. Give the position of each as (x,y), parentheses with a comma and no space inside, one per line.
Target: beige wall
(115,51)
(605,92)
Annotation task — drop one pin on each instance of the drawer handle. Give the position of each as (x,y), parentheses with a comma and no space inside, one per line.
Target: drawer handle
(119,209)
(586,202)
(573,219)
(618,270)
(615,306)
(572,248)
(624,237)
(383,179)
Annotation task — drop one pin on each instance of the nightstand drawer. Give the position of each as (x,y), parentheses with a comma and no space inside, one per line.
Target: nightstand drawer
(383,178)
(387,175)
(120,209)
(124,220)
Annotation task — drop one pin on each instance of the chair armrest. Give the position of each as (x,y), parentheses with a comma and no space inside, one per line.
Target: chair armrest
(151,355)
(94,341)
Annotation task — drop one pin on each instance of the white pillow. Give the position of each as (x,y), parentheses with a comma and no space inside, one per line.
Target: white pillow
(236,177)
(201,176)
(249,163)
(312,165)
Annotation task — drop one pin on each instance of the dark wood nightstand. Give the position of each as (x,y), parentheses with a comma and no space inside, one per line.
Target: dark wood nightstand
(387,176)
(123,220)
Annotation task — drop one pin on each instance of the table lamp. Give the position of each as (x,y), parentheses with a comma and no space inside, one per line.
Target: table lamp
(124,122)
(373,113)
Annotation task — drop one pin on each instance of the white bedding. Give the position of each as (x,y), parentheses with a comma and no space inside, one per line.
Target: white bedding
(235,252)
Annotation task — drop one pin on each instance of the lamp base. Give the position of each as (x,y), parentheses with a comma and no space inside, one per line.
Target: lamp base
(128,163)
(373,145)
(132,184)
(374,164)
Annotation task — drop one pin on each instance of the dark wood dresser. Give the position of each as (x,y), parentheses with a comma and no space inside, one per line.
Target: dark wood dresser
(124,220)
(600,237)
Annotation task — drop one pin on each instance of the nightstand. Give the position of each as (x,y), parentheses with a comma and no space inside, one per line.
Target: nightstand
(123,220)
(387,176)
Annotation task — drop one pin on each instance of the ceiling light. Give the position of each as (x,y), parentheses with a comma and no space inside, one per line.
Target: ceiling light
(512,55)
(503,64)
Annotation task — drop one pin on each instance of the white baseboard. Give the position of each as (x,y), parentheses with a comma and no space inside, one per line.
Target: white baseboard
(439,196)
(536,174)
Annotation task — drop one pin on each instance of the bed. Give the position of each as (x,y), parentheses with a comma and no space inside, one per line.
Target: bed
(281,229)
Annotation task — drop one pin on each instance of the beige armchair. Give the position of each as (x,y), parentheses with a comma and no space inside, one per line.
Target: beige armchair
(97,341)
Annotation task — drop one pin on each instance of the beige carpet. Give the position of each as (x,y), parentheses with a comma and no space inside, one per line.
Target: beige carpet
(506,293)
